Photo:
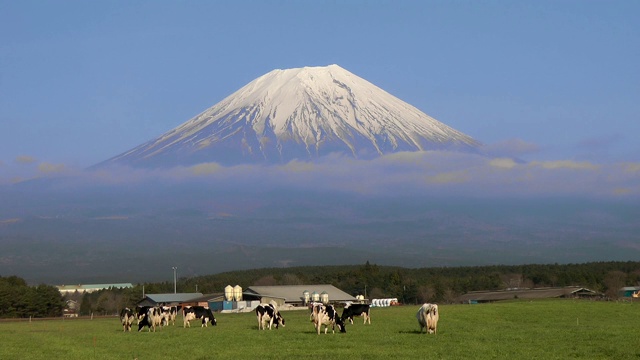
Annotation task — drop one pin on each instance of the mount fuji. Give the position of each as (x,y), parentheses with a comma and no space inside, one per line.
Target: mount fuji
(302,113)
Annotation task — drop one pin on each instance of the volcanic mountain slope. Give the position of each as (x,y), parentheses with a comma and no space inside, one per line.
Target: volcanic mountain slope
(303,113)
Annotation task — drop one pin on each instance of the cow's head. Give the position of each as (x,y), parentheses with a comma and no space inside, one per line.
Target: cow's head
(340,325)
(279,320)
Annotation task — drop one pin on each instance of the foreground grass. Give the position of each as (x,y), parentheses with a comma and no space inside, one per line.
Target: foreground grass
(556,329)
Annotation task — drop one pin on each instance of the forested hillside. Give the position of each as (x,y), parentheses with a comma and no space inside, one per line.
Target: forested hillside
(442,284)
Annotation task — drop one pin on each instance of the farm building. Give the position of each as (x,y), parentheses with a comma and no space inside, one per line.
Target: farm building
(167,299)
(475,297)
(629,292)
(66,289)
(234,299)
(204,300)
(299,295)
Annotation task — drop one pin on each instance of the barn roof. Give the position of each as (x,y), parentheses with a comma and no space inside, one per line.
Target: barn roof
(293,293)
(168,298)
(539,293)
(207,297)
(92,287)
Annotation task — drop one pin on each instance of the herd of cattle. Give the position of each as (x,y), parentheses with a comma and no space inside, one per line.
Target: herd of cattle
(157,316)
(268,315)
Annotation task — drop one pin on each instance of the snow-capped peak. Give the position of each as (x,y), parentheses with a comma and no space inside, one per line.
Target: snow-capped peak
(300,113)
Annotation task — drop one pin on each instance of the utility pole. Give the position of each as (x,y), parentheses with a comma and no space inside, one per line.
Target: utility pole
(175,279)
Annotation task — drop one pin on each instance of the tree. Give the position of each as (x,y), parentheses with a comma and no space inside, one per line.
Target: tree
(613,282)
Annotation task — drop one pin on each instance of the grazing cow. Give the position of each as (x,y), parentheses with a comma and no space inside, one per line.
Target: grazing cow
(169,314)
(328,316)
(152,318)
(126,317)
(268,313)
(198,312)
(351,310)
(428,316)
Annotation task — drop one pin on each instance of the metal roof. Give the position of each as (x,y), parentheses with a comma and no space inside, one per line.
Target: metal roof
(171,298)
(207,297)
(630,288)
(293,293)
(85,287)
(541,293)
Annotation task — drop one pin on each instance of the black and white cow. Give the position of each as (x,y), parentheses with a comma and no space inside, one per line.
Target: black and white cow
(151,318)
(169,314)
(268,313)
(351,310)
(127,317)
(198,312)
(328,316)
(141,312)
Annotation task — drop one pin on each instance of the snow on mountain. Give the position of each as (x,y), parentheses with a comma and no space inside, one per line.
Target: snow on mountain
(303,114)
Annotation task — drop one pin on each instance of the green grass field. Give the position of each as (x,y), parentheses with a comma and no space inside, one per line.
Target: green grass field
(554,329)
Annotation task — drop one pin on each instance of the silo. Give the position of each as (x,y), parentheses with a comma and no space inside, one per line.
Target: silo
(324,297)
(306,296)
(315,297)
(228,293)
(237,293)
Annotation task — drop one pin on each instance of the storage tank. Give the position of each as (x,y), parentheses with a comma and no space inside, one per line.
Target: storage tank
(324,297)
(237,293)
(315,296)
(306,296)
(228,293)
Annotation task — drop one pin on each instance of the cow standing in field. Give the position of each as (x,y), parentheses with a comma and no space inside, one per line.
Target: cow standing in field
(151,318)
(169,314)
(351,310)
(198,312)
(328,316)
(126,317)
(268,313)
(141,312)
(428,316)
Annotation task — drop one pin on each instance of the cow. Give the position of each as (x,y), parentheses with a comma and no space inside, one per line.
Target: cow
(169,314)
(428,316)
(151,318)
(141,312)
(198,312)
(126,317)
(268,313)
(328,316)
(351,310)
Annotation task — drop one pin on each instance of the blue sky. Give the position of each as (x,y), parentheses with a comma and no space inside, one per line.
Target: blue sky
(83,81)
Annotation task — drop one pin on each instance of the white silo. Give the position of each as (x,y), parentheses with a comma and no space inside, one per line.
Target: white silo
(237,293)
(324,297)
(228,293)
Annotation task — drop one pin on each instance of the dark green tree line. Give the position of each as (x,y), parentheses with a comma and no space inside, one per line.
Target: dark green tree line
(18,300)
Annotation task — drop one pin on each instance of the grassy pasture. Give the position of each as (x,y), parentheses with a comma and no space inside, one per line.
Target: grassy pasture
(554,329)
